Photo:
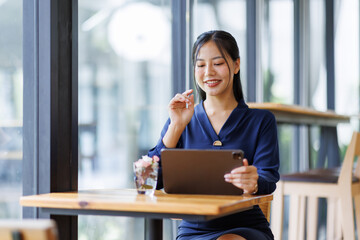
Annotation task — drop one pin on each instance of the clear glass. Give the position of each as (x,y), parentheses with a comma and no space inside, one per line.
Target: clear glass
(11,108)
(316,58)
(317,71)
(277,66)
(146,185)
(347,64)
(277,51)
(227,15)
(146,175)
(285,137)
(124,90)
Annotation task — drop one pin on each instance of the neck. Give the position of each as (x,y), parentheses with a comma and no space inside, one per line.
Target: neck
(220,104)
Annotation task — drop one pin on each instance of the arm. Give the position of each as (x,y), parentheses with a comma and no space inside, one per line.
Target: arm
(181,110)
(266,157)
(262,175)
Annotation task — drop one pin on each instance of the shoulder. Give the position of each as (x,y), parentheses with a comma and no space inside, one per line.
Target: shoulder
(262,119)
(255,113)
(261,114)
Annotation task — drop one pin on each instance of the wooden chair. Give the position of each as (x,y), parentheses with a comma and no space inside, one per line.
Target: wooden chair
(338,186)
(34,229)
(265,208)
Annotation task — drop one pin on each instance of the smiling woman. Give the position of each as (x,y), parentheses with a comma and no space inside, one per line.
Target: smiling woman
(222,115)
(217,54)
(214,71)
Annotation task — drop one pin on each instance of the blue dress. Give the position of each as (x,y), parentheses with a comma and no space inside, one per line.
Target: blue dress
(252,130)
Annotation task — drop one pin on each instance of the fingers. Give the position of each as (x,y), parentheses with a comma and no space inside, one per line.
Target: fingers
(191,97)
(246,168)
(244,177)
(175,105)
(241,177)
(236,179)
(245,162)
(188,92)
(247,184)
(182,100)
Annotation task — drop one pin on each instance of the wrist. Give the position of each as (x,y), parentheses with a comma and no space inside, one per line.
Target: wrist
(176,128)
(172,135)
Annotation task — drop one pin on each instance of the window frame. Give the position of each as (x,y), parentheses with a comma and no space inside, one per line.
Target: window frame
(50,121)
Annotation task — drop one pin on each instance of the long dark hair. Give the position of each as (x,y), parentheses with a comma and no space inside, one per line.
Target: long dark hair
(225,42)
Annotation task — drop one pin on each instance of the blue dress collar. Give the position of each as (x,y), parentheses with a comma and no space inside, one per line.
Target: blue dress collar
(234,117)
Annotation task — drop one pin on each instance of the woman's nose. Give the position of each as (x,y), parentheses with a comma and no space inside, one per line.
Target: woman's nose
(209,70)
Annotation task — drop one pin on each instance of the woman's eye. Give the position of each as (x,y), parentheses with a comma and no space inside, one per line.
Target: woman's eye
(200,65)
(218,64)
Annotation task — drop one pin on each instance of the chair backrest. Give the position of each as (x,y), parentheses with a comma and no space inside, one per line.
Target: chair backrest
(34,229)
(265,208)
(352,151)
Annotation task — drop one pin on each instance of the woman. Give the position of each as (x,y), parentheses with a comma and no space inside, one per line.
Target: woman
(223,116)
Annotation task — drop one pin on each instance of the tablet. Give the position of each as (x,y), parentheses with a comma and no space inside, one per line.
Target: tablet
(192,171)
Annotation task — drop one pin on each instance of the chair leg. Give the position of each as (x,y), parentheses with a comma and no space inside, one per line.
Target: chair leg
(301,229)
(331,218)
(357,213)
(347,216)
(277,211)
(338,232)
(296,209)
(312,217)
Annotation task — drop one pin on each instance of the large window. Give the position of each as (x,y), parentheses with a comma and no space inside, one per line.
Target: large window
(277,55)
(277,66)
(10,108)
(124,89)
(347,66)
(316,94)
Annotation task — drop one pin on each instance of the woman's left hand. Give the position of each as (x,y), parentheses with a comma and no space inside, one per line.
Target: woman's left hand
(244,177)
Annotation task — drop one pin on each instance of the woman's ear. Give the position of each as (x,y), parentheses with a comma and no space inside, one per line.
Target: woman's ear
(237,66)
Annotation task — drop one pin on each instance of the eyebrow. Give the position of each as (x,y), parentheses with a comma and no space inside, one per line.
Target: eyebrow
(217,57)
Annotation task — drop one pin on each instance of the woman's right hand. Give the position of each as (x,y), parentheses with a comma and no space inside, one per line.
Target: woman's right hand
(181,108)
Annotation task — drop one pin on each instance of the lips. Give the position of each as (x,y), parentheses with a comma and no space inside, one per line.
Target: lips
(212,82)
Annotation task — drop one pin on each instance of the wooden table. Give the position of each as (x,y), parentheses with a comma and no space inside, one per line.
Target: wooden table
(295,114)
(126,202)
(328,120)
